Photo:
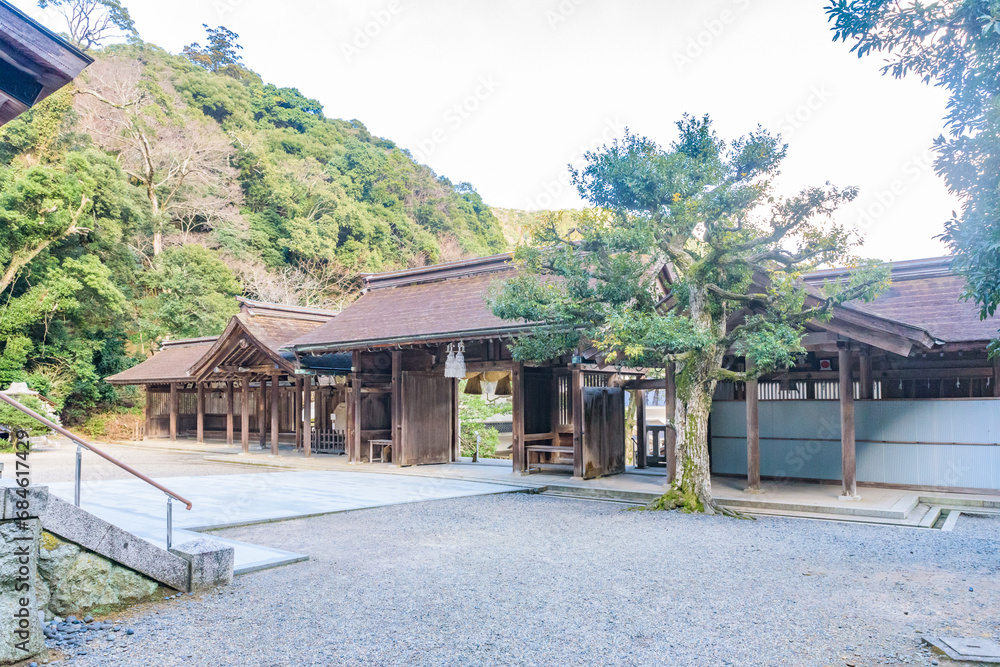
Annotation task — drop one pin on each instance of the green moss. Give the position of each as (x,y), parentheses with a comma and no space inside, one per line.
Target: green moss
(49,542)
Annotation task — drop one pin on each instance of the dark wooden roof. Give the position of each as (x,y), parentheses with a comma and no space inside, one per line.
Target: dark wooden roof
(432,304)
(34,62)
(925,293)
(171,364)
(253,337)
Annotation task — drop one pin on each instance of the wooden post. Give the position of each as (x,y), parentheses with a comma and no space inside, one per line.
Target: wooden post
(275,421)
(307,396)
(356,420)
(640,429)
(149,413)
(996,377)
(173,411)
(847,445)
(456,422)
(230,409)
(245,414)
(517,419)
(261,412)
(396,409)
(669,434)
(753,433)
(576,398)
(200,426)
(865,367)
(297,411)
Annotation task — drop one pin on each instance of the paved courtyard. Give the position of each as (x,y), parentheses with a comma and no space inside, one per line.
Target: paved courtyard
(517,579)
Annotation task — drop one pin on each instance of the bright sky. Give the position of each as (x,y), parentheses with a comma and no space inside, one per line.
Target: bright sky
(505,93)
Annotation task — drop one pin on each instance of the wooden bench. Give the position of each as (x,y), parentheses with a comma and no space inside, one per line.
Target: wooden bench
(381,444)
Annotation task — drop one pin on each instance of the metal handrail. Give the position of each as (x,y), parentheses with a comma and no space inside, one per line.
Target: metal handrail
(80,442)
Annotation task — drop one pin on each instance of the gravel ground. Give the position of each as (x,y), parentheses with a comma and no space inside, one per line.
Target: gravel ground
(56,463)
(533,580)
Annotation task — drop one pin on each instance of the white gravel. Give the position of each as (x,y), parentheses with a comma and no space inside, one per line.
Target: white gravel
(534,580)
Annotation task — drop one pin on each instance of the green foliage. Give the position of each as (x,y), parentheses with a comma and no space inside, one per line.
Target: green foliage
(953,44)
(14,420)
(474,410)
(195,291)
(81,294)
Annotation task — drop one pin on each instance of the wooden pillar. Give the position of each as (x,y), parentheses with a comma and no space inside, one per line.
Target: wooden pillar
(517,419)
(230,409)
(148,413)
(275,420)
(173,411)
(396,408)
(307,404)
(996,377)
(753,433)
(297,411)
(262,412)
(245,414)
(847,445)
(640,429)
(865,375)
(670,410)
(576,399)
(200,426)
(456,422)
(356,421)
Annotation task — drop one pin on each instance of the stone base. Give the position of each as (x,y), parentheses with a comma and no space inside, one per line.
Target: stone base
(21,635)
(211,563)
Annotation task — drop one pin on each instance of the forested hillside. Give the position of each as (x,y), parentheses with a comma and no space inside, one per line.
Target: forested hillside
(137,203)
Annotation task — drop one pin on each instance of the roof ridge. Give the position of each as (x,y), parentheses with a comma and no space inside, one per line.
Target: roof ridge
(433,272)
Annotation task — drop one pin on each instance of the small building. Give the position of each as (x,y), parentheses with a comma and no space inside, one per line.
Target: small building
(240,383)
(403,333)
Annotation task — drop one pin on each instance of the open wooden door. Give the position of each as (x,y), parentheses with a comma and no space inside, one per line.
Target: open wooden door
(428,419)
(603,431)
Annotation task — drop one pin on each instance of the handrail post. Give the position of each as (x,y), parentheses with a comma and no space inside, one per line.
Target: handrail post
(170,522)
(79,468)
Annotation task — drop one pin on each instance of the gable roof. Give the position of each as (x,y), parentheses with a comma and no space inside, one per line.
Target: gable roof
(430,304)
(170,364)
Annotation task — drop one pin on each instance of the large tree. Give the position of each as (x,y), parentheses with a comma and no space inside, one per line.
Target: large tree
(954,44)
(706,209)
(90,22)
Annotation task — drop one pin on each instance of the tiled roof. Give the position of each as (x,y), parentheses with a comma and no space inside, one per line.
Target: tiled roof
(925,293)
(172,362)
(417,311)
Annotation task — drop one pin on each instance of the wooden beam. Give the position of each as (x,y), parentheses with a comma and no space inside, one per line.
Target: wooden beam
(396,406)
(200,425)
(307,406)
(148,415)
(517,419)
(245,414)
(847,444)
(576,399)
(640,429)
(996,377)
(230,409)
(670,411)
(259,369)
(356,421)
(753,434)
(275,417)
(174,407)
(865,374)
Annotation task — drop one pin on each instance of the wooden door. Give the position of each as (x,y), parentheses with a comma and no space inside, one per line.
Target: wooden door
(427,419)
(603,431)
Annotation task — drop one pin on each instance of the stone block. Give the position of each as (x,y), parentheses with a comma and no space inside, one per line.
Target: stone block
(211,563)
(20,629)
(37,498)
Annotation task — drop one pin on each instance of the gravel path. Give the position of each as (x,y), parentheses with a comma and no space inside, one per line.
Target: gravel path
(534,580)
